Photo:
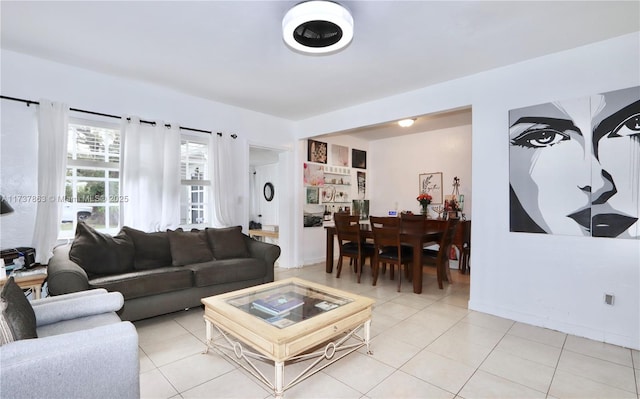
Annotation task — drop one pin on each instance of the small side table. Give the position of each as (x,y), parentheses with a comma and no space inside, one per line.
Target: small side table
(29,279)
(263,233)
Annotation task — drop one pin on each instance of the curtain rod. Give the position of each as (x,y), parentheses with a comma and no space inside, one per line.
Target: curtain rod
(84,111)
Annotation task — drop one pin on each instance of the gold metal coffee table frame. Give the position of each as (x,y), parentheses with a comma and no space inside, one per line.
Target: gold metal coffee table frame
(326,336)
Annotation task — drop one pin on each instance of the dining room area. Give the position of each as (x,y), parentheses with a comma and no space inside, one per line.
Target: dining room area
(433,156)
(407,240)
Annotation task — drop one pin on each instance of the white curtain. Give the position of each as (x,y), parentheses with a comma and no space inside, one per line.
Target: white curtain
(150,175)
(224,150)
(53,121)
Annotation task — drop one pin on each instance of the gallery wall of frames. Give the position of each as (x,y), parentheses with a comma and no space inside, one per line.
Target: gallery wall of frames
(334,176)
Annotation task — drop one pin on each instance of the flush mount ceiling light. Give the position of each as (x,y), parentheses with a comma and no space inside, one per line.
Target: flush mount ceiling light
(317,27)
(406,122)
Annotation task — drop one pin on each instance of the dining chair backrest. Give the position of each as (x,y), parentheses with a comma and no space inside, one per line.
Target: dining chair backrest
(388,247)
(447,239)
(412,223)
(386,231)
(347,227)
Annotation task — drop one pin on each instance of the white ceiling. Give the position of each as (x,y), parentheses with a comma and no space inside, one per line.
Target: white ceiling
(233,52)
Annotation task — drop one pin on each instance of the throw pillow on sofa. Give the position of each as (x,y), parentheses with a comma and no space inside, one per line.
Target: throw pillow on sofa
(17,320)
(151,249)
(188,247)
(227,243)
(101,254)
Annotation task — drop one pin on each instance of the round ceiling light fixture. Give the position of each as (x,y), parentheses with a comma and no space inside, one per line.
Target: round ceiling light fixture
(317,27)
(406,122)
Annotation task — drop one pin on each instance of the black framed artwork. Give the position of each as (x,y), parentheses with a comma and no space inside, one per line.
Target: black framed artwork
(317,151)
(358,159)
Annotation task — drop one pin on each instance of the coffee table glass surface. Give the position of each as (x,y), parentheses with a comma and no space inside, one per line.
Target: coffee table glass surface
(288,304)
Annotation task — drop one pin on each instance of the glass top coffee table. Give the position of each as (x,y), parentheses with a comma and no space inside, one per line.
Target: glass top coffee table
(284,322)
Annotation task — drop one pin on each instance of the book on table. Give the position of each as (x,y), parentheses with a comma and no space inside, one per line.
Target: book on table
(278,304)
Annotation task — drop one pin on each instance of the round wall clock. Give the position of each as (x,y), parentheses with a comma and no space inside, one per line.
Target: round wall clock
(268,191)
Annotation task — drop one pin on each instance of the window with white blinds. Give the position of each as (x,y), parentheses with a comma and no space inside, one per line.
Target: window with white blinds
(195,195)
(92,187)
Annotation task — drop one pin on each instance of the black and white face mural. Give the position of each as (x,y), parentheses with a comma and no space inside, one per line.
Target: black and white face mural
(574,166)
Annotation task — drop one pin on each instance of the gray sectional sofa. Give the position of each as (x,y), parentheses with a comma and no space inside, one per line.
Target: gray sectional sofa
(161,272)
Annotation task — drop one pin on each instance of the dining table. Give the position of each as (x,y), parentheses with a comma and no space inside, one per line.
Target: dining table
(431,234)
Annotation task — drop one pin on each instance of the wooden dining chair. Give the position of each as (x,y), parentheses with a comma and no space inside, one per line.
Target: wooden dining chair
(465,251)
(412,223)
(440,258)
(388,248)
(351,244)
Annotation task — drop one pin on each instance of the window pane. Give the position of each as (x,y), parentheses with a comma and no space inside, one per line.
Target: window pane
(90,191)
(113,138)
(92,184)
(97,218)
(193,205)
(193,163)
(93,143)
(114,191)
(90,173)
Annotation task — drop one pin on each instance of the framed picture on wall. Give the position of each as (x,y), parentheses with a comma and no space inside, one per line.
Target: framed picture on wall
(339,155)
(362,184)
(358,159)
(313,195)
(317,151)
(431,183)
(313,175)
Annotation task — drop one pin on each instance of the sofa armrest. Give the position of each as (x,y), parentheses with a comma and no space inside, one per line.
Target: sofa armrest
(265,251)
(100,362)
(65,297)
(63,275)
(73,306)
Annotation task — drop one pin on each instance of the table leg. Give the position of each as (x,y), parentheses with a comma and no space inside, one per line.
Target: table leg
(417,266)
(279,368)
(209,334)
(329,254)
(367,335)
(37,289)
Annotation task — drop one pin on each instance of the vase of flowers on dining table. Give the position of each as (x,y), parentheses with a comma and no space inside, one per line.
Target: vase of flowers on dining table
(424,199)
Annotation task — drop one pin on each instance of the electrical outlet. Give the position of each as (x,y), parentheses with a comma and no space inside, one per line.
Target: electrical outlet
(609,298)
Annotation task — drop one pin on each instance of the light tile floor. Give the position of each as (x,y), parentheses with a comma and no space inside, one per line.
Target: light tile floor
(424,346)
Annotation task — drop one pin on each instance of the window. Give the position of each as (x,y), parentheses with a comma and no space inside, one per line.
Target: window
(92,188)
(194,174)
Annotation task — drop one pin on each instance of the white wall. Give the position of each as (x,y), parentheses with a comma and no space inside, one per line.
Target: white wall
(546,280)
(31,78)
(268,209)
(398,161)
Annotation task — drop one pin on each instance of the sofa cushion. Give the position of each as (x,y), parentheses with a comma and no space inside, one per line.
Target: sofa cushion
(17,319)
(146,282)
(151,249)
(98,253)
(189,247)
(227,271)
(227,243)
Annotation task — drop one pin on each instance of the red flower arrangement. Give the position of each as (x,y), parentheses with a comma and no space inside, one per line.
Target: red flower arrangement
(424,199)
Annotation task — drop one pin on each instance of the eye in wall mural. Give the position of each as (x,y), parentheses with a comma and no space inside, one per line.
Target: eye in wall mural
(574,166)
